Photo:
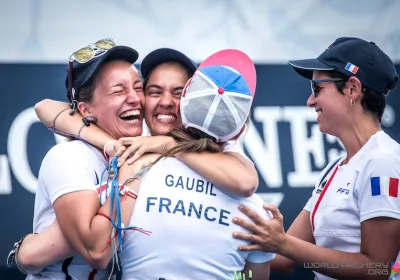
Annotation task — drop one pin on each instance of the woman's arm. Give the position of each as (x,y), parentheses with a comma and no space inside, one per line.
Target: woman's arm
(229,171)
(50,246)
(55,115)
(43,249)
(87,227)
(87,231)
(259,271)
(301,229)
(378,247)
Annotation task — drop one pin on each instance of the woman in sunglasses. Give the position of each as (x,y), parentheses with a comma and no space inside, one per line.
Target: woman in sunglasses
(349,228)
(165,73)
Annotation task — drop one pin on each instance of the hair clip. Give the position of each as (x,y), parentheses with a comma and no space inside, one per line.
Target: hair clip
(74,106)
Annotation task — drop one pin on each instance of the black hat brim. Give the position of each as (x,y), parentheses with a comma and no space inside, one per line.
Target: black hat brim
(116,53)
(306,67)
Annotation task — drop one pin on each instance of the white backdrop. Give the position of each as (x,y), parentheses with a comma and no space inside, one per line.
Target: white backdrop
(270,31)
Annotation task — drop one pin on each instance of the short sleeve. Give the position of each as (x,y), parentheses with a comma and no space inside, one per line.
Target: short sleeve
(261,256)
(234,147)
(311,202)
(67,168)
(377,188)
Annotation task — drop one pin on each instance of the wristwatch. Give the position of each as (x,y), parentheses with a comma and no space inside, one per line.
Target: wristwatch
(13,255)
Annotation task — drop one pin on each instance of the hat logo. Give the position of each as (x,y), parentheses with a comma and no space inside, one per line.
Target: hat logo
(351,68)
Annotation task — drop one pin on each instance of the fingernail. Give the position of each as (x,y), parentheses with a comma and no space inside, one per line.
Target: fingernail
(234,220)
(241,207)
(234,234)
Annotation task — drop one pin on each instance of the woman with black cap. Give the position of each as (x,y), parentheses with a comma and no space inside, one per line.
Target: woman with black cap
(71,171)
(350,226)
(165,73)
(185,209)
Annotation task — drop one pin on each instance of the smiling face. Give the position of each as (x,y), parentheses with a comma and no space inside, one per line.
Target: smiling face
(331,105)
(117,100)
(163,92)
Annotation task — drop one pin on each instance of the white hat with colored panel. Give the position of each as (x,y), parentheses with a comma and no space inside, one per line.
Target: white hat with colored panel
(218,98)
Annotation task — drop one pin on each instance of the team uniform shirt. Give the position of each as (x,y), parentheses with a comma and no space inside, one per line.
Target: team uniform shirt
(366,187)
(68,167)
(191,224)
(234,147)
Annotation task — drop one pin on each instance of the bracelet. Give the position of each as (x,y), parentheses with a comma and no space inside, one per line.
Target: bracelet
(137,175)
(124,190)
(54,121)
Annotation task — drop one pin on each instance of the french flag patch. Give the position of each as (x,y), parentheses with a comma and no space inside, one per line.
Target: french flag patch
(351,68)
(385,186)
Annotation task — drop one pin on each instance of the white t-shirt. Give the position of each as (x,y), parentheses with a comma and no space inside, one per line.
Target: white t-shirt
(367,187)
(191,225)
(67,167)
(234,147)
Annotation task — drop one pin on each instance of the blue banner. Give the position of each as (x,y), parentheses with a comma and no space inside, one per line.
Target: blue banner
(283,140)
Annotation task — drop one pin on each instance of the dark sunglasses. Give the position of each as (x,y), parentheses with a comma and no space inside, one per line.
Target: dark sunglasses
(84,55)
(315,89)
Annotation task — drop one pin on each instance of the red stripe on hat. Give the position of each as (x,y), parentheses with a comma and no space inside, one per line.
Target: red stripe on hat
(394,187)
(355,69)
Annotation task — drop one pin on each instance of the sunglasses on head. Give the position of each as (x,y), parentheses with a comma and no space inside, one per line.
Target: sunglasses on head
(87,53)
(315,89)
(84,55)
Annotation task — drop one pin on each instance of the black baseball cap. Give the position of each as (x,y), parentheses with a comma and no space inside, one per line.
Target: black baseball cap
(163,55)
(353,57)
(83,73)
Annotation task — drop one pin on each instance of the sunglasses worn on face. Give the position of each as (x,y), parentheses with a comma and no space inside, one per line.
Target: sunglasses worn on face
(84,55)
(315,89)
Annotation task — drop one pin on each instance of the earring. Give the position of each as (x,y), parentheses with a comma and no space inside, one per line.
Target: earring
(89,119)
(352,103)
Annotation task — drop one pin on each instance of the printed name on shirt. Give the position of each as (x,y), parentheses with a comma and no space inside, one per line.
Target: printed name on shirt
(190,184)
(189,208)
